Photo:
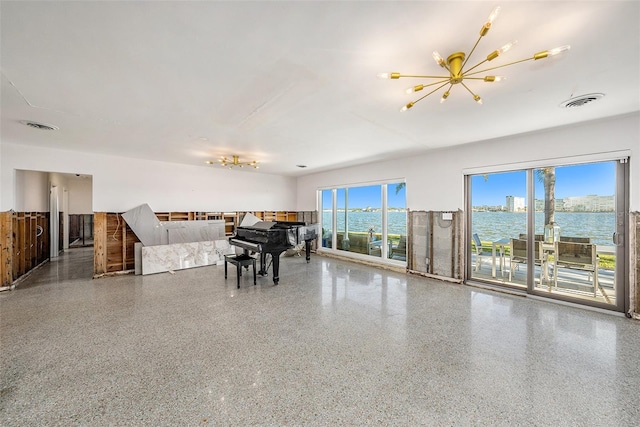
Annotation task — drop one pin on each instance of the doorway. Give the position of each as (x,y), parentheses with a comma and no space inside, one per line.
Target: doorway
(80,230)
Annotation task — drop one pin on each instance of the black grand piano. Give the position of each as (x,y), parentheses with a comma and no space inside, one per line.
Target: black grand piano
(274,237)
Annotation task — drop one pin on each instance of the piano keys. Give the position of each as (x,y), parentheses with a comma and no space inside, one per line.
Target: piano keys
(274,237)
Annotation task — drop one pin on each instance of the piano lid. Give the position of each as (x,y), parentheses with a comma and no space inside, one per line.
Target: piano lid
(261,225)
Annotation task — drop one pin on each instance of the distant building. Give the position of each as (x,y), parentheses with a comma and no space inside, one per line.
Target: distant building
(558,205)
(590,203)
(515,204)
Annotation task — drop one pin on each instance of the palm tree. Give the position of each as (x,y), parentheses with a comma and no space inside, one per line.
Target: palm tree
(548,178)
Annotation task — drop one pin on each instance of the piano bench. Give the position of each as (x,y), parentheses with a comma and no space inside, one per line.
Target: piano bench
(240,261)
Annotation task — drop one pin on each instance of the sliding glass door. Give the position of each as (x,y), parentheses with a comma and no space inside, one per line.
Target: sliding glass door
(499,227)
(555,231)
(576,217)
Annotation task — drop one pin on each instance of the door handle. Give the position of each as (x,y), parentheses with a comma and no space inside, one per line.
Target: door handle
(617,239)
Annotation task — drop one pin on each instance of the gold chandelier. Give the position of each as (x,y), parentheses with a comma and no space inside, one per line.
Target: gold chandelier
(456,62)
(234,162)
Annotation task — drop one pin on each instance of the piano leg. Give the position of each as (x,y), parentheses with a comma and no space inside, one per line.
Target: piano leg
(276,266)
(263,264)
(307,249)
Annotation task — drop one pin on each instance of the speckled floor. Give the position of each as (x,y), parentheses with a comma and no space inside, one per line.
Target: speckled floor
(335,343)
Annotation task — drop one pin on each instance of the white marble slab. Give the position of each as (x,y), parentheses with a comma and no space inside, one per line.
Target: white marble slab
(194,231)
(137,258)
(144,223)
(178,256)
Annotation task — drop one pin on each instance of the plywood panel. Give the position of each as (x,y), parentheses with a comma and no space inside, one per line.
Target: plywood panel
(129,242)
(114,242)
(43,239)
(29,238)
(100,243)
(20,240)
(6,249)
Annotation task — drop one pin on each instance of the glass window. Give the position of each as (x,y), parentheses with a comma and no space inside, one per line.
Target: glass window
(327,218)
(397,221)
(498,220)
(363,226)
(369,220)
(341,221)
(576,215)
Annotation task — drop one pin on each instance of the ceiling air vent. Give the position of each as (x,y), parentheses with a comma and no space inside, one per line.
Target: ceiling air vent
(41,126)
(579,101)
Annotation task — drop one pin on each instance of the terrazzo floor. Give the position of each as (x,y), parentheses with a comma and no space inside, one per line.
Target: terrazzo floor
(334,344)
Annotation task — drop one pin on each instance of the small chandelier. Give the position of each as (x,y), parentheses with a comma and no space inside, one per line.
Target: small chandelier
(235,162)
(455,66)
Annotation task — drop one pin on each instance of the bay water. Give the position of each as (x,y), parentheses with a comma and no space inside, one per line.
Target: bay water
(492,226)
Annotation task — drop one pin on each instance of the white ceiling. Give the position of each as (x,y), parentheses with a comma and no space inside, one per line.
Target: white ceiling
(291,83)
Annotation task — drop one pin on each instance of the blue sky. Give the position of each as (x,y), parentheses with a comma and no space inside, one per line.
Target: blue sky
(361,197)
(578,180)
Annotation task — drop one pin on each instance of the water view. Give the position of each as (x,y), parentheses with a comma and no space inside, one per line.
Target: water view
(492,226)
(362,221)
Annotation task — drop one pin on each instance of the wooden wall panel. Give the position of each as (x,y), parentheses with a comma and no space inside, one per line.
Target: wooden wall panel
(24,242)
(43,238)
(114,246)
(29,240)
(130,240)
(99,243)
(18,231)
(6,249)
(634,268)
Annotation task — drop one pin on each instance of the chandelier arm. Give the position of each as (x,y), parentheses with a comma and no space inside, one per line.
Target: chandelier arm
(499,66)
(438,82)
(471,53)
(423,97)
(446,67)
(475,66)
(424,77)
(465,86)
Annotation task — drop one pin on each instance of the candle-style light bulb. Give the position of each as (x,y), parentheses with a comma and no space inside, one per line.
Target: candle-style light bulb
(393,75)
(487,25)
(507,46)
(494,78)
(493,15)
(493,55)
(438,58)
(558,50)
(406,107)
(551,52)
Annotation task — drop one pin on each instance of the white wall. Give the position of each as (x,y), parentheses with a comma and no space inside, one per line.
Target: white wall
(120,184)
(435,180)
(80,195)
(32,191)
